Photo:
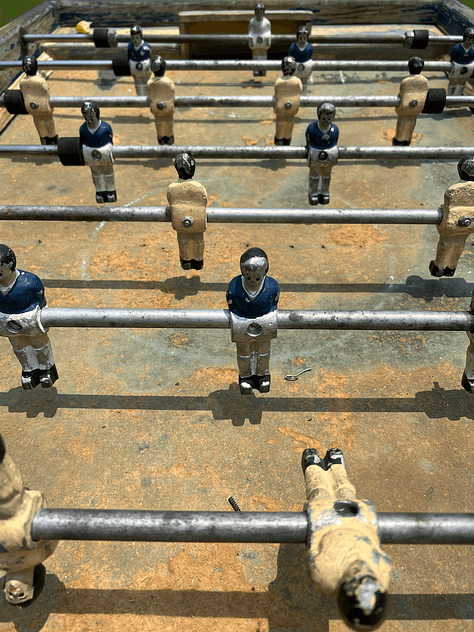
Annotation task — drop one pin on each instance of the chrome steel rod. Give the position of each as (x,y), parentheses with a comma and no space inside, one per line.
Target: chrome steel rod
(287,319)
(235,38)
(237,65)
(224,215)
(241,102)
(255,152)
(213,526)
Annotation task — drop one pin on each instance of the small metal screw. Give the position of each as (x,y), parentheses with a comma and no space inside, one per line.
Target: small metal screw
(287,105)
(233,504)
(413,103)
(465,221)
(33,105)
(187,222)
(160,105)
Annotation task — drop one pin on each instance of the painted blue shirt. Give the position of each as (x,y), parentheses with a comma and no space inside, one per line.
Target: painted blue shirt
(26,293)
(240,304)
(300,56)
(321,140)
(139,55)
(99,138)
(459,55)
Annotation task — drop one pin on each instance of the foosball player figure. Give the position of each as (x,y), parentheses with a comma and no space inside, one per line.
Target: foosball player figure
(188,200)
(160,90)
(302,53)
(96,138)
(21,299)
(21,557)
(412,94)
(344,554)
(457,222)
(321,141)
(253,298)
(259,37)
(35,91)
(462,63)
(139,53)
(288,90)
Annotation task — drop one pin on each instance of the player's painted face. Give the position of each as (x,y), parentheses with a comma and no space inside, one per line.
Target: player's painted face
(302,39)
(259,14)
(468,42)
(326,119)
(254,278)
(136,39)
(91,118)
(6,275)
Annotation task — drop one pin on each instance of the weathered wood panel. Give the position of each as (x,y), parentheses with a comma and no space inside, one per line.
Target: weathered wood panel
(40,20)
(125,12)
(454,17)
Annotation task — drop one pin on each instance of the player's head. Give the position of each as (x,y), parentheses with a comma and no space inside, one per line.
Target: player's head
(158,66)
(415,65)
(288,66)
(185,165)
(259,10)
(362,601)
(90,110)
(30,65)
(326,113)
(302,35)
(7,257)
(136,34)
(466,168)
(254,260)
(468,35)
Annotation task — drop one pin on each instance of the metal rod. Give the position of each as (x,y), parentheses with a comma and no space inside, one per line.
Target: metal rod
(255,152)
(224,215)
(235,38)
(236,65)
(287,319)
(243,526)
(241,102)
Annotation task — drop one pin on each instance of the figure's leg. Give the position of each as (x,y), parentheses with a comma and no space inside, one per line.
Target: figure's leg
(109,183)
(259,54)
(48,373)
(140,85)
(344,490)
(191,250)
(325,182)
(404,130)
(467,380)
(262,372)
(166,132)
(46,129)
(284,130)
(319,481)
(449,250)
(244,354)
(314,186)
(26,350)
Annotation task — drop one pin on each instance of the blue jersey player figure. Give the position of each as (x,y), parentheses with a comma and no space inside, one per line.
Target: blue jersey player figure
(139,55)
(321,141)
(302,53)
(462,63)
(253,298)
(96,138)
(21,300)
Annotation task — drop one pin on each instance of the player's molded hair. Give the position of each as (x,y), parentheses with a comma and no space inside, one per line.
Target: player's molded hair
(136,30)
(252,259)
(7,257)
(259,6)
(288,65)
(362,603)
(30,65)
(90,106)
(469,32)
(326,108)
(466,168)
(158,65)
(302,29)
(415,65)
(185,165)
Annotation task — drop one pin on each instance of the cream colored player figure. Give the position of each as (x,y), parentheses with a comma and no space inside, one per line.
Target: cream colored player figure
(457,222)
(20,556)
(188,200)
(288,90)
(412,93)
(344,554)
(35,91)
(260,37)
(462,63)
(161,91)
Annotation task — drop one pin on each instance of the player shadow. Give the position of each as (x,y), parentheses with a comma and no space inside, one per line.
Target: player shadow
(290,603)
(229,405)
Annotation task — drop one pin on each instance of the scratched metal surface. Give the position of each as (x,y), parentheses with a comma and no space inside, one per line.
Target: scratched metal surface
(153,419)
